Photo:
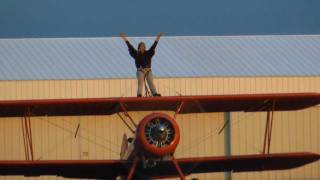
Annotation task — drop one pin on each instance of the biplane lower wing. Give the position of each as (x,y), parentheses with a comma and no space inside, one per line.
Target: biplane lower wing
(110,169)
(188,104)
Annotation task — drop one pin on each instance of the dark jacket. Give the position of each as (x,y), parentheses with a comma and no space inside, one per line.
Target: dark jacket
(142,60)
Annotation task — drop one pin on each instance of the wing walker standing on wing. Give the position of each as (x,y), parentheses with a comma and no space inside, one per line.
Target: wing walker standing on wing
(143,60)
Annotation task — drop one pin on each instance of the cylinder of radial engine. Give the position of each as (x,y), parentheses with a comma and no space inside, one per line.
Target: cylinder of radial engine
(158,134)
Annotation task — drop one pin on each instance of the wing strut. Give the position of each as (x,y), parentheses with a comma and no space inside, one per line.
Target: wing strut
(125,111)
(126,114)
(27,134)
(174,161)
(125,122)
(268,130)
(132,168)
(178,110)
(178,168)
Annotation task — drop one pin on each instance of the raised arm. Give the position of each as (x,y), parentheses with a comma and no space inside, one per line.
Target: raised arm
(132,50)
(158,36)
(154,45)
(123,36)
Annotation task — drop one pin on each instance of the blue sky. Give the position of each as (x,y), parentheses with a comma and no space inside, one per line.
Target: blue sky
(104,18)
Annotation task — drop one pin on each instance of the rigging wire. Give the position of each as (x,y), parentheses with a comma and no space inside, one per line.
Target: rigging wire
(91,133)
(215,132)
(71,132)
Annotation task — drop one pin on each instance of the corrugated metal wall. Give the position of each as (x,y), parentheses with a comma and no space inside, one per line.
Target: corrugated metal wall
(176,56)
(100,136)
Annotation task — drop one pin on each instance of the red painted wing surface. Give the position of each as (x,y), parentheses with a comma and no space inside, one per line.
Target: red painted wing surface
(192,104)
(109,169)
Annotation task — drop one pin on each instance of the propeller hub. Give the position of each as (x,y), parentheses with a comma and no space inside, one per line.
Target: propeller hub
(159,132)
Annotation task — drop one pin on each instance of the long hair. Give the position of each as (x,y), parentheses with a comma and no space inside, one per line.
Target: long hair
(140,44)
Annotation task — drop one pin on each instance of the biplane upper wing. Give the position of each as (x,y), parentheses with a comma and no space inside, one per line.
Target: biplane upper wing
(190,104)
(110,169)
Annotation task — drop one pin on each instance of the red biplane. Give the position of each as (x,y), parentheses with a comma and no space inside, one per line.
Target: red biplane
(150,152)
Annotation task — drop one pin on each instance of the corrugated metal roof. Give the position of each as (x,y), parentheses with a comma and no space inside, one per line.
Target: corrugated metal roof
(182,56)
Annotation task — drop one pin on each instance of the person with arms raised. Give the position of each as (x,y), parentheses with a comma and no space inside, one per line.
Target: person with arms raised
(143,59)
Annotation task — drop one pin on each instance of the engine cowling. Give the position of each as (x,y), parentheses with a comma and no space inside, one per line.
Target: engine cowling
(158,134)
